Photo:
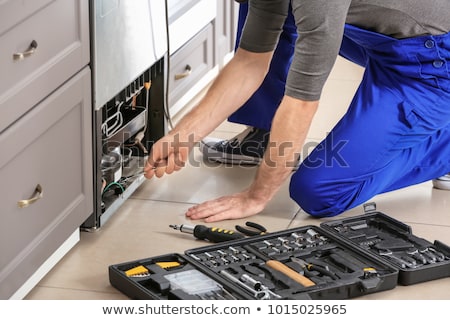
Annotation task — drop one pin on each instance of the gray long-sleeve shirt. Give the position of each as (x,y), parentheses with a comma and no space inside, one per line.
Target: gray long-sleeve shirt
(320,26)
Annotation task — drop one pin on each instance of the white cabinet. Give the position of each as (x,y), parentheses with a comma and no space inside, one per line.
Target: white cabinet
(60,51)
(225,27)
(46,136)
(189,65)
(201,36)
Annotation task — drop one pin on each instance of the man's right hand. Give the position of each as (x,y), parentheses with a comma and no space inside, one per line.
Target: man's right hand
(167,155)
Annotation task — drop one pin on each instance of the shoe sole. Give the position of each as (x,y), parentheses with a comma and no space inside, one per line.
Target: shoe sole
(441,184)
(212,155)
(233,161)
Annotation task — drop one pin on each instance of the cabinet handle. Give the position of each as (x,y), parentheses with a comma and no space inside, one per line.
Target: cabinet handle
(38,194)
(22,55)
(184,74)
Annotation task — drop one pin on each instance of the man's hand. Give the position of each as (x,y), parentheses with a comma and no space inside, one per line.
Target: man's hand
(236,206)
(169,154)
(237,81)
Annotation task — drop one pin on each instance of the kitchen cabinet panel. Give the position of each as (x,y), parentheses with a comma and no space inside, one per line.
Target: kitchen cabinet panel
(186,19)
(191,63)
(225,30)
(53,50)
(22,10)
(46,162)
(189,42)
(50,147)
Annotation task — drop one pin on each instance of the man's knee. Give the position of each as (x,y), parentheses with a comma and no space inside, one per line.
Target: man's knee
(321,197)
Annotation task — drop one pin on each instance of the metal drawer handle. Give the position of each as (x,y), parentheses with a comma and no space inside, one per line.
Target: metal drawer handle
(22,55)
(184,74)
(38,194)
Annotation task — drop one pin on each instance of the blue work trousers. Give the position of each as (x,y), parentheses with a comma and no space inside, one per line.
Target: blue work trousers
(396,132)
(260,109)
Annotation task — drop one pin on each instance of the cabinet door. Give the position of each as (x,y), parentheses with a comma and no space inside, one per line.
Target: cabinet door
(42,47)
(189,64)
(225,30)
(13,12)
(187,18)
(50,147)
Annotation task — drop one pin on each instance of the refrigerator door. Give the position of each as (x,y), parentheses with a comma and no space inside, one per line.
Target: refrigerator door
(128,38)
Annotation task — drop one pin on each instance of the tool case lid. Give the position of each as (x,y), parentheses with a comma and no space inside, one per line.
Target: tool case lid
(380,235)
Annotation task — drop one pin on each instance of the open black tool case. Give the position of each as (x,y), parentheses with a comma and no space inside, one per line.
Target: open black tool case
(341,259)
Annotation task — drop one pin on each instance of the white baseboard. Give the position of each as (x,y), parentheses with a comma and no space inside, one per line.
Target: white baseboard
(47,266)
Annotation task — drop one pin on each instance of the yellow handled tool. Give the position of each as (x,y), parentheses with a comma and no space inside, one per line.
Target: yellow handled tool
(212,234)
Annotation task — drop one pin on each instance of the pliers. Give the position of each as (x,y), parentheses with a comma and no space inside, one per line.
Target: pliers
(312,267)
(256,229)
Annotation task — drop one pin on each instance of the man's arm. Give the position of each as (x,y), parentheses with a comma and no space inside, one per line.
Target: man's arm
(289,129)
(235,84)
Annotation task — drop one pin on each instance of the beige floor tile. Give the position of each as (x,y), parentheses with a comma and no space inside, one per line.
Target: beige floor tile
(333,105)
(197,183)
(201,181)
(230,127)
(431,290)
(419,204)
(47,293)
(416,204)
(346,70)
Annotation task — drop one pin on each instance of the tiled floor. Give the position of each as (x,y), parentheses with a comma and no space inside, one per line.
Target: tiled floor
(140,228)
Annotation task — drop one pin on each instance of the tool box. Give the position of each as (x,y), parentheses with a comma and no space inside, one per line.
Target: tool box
(339,259)
(417,259)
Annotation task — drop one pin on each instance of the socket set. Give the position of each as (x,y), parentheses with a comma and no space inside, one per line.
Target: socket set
(378,234)
(339,259)
(300,263)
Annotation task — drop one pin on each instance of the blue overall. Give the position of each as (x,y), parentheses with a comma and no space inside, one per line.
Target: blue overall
(264,102)
(396,132)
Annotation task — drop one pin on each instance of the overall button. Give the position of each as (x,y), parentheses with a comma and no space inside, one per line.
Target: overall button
(438,63)
(429,44)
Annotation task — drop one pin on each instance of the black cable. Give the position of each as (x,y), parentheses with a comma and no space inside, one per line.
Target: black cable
(166,107)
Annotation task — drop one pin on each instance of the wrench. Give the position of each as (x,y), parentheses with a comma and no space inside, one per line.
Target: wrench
(391,256)
(414,252)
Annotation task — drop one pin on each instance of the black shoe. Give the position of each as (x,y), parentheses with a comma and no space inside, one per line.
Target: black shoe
(246,148)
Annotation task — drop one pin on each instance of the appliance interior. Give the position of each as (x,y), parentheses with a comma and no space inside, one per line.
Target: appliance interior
(128,56)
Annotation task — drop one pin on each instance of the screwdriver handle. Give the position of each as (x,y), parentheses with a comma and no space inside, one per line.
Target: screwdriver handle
(215,234)
(294,275)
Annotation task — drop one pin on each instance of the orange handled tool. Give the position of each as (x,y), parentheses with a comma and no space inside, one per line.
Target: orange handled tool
(294,275)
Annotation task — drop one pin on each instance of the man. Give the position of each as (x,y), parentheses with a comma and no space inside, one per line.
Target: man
(247,148)
(394,134)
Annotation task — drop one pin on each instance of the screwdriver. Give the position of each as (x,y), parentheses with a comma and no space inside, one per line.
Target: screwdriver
(212,234)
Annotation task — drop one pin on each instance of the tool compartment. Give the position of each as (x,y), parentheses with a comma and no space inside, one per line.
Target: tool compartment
(260,262)
(417,259)
(255,268)
(167,277)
